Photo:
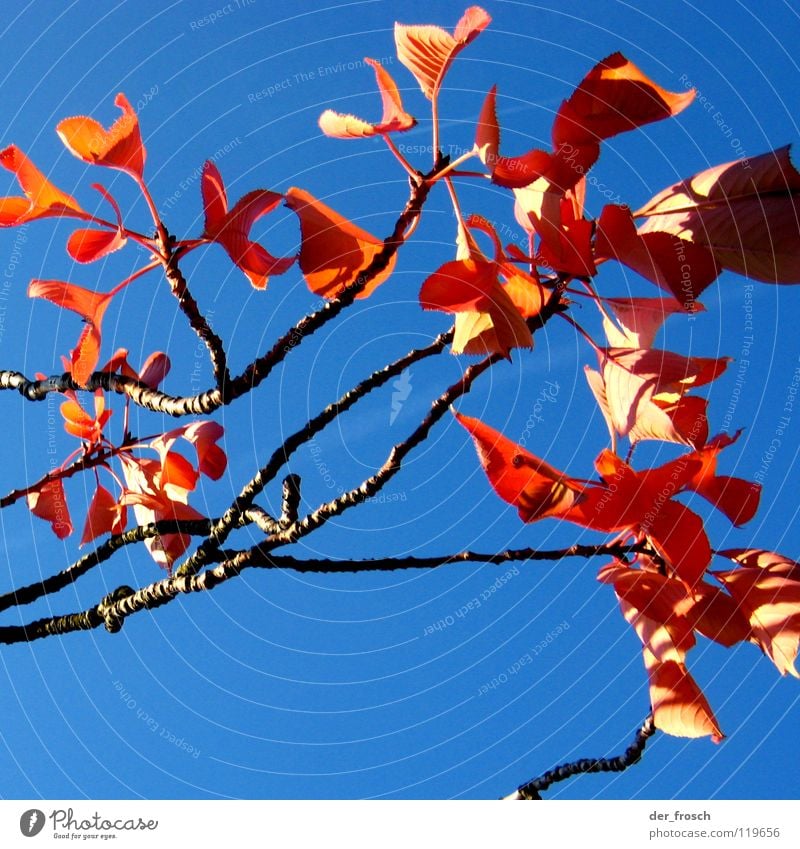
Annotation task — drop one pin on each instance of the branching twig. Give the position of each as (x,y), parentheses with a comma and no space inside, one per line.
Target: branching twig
(372,485)
(206,402)
(85,462)
(198,322)
(392,465)
(199,527)
(279,457)
(125,601)
(618,763)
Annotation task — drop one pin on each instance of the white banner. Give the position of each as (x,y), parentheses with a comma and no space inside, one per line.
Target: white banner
(401,825)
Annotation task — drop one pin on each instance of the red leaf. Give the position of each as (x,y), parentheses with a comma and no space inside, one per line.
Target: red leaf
(738,499)
(395,118)
(572,252)
(679,537)
(231,229)
(154,369)
(639,320)
(462,285)
(683,421)
(334,251)
(753,558)
(512,172)
(535,488)
(747,213)
(118,147)
(614,97)
(105,516)
(679,266)
(428,51)
(716,615)
(632,377)
(211,459)
(655,606)
(203,435)
(91,245)
(49,503)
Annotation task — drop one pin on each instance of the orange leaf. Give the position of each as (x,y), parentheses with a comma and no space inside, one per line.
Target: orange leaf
(428,51)
(746,213)
(42,199)
(118,147)
(79,423)
(49,503)
(489,316)
(178,477)
(91,306)
(679,706)
(334,251)
(151,503)
(90,245)
(395,119)
(771,602)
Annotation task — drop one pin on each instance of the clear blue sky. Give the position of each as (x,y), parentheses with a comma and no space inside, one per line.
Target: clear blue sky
(278,685)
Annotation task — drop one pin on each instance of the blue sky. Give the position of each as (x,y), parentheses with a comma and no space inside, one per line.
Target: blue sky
(279,685)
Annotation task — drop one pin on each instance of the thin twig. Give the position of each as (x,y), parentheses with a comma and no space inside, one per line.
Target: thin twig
(618,763)
(198,322)
(87,461)
(393,463)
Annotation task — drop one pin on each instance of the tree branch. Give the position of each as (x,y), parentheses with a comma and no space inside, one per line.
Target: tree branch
(125,601)
(618,763)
